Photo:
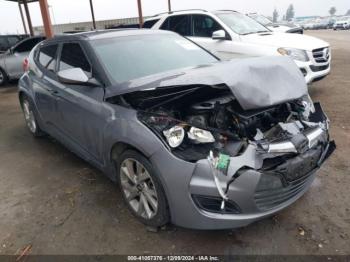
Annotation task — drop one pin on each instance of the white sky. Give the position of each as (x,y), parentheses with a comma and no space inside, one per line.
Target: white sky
(65,11)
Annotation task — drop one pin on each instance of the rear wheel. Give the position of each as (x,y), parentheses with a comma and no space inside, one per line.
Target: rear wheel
(30,117)
(3,77)
(142,190)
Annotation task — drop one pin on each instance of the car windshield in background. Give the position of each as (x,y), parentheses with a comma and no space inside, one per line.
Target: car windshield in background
(241,24)
(261,19)
(127,58)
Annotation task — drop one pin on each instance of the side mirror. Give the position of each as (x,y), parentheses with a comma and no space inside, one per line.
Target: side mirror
(73,76)
(219,35)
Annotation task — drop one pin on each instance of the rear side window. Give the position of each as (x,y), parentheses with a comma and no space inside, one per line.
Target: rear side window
(180,24)
(150,23)
(73,56)
(47,57)
(27,45)
(13,40)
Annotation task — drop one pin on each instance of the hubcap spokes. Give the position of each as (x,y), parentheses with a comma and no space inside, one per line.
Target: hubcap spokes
(139,188)
(29,116)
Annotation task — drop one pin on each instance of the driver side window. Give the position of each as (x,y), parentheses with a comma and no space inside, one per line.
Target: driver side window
(72,56)
(204,26)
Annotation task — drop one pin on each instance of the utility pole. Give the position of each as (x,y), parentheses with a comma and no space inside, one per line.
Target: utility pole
(26,9)
(169,5)
(45,14)
(139,7)
(24,23)
(92,14)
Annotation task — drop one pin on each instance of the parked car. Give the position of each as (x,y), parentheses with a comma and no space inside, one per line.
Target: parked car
(229,34)
(190,140)
(322,24)
(7,41)
(276,27)
(11,62)
(342,24)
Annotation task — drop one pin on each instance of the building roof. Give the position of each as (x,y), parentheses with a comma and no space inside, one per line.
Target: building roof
(21,1)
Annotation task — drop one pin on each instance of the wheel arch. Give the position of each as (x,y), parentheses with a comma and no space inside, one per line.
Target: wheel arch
(119,148)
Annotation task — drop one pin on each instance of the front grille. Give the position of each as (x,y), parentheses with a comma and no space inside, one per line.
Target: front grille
(319,68)
(268,199)
(321,55)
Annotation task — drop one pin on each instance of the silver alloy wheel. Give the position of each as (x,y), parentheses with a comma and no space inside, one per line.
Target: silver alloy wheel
(139,188)
(29,116)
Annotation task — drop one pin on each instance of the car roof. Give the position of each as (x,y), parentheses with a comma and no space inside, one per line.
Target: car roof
(108,33)
(187,11)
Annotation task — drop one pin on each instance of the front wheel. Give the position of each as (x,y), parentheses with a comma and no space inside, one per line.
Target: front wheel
(142,189)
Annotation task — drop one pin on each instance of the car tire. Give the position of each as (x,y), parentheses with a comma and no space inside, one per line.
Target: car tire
(3,77)
(142,190)
(30,116)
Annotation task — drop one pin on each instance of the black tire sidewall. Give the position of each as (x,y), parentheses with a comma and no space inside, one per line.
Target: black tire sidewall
(5,78)
(162,216)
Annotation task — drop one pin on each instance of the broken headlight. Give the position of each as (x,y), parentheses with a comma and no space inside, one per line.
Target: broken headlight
(176,135)
(174,131)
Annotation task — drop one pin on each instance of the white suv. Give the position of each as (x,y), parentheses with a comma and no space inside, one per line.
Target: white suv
(229,34)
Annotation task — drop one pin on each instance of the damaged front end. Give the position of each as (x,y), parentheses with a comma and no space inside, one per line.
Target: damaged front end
(276,147)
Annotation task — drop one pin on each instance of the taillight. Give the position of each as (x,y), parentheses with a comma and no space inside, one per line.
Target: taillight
(26,65)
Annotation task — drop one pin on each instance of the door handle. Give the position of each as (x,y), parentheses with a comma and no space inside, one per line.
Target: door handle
(52,91)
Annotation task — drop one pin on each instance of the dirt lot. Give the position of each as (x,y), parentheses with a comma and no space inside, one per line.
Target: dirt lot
(59,204)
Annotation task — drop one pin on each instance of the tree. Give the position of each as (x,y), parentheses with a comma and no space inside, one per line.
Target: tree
(348,12)
(290,12)
(332,10)
(275,15)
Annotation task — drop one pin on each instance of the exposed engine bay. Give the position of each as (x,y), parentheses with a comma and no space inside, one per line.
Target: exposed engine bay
(194,120)
(288,140)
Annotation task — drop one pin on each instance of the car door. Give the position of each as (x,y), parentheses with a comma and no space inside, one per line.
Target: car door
(19,52)
(203,27)
(44,84)
(79,107)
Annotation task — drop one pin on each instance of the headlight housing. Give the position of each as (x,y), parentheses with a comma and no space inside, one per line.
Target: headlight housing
(295,54)
(176,133)
(175,136)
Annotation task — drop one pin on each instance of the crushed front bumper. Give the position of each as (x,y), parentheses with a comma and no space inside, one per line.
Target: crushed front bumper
(263,187)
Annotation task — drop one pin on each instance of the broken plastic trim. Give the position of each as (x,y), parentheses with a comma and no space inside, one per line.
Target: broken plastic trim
(288,147)
(213,163)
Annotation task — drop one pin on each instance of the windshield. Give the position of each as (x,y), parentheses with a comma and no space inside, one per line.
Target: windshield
(261,19)
(131,57)
(242,24)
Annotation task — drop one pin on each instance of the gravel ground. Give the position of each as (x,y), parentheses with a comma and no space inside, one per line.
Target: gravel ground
(54,203)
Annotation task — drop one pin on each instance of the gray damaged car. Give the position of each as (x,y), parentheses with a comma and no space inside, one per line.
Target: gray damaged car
(190,140)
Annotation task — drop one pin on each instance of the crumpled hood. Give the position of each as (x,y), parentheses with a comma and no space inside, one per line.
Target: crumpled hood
(279,39)
(255,82)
